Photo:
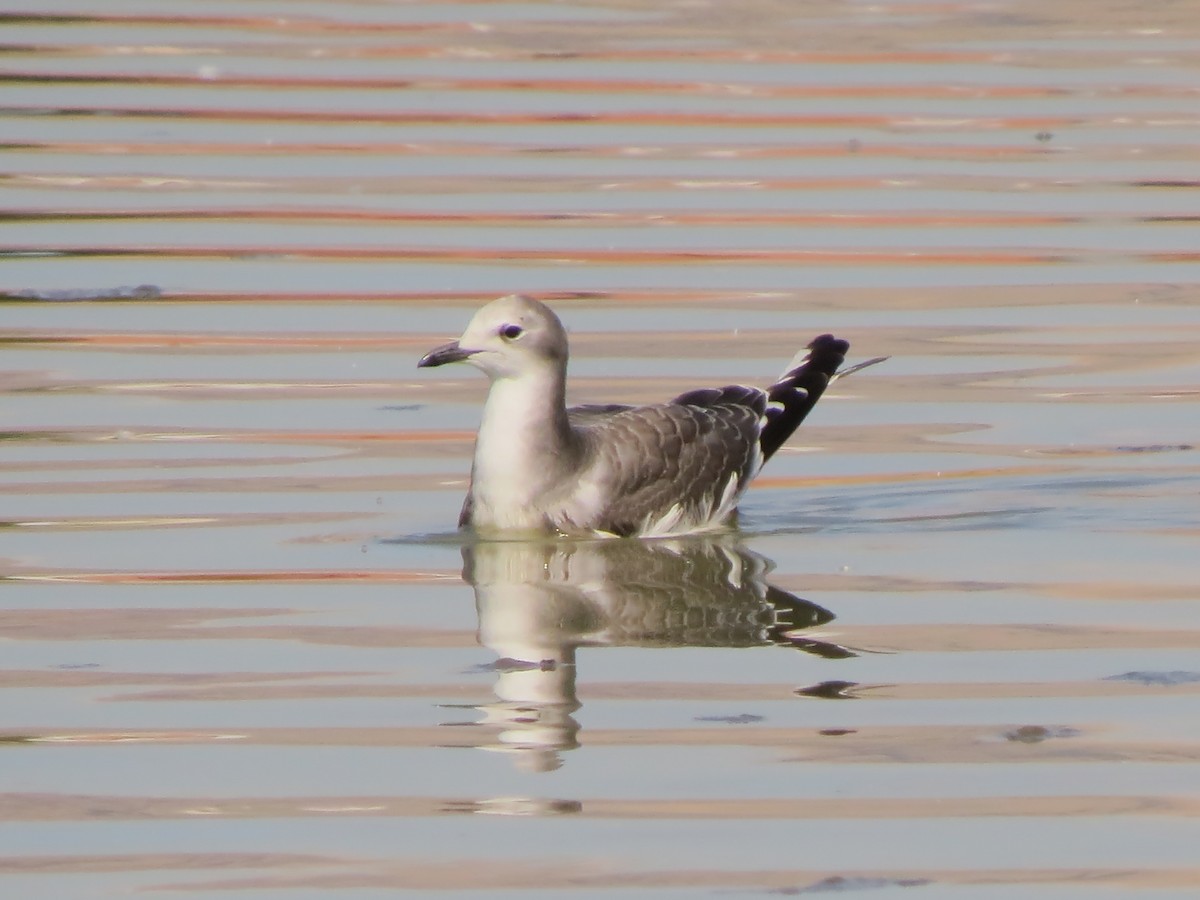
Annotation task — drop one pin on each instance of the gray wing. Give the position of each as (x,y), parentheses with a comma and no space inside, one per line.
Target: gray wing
(685,452)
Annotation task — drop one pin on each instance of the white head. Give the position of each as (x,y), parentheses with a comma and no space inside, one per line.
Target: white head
(506,338)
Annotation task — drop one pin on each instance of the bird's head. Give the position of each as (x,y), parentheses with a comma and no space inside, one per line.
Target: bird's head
(506,338)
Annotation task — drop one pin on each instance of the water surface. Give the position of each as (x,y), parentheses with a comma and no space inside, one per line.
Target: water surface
(952,650)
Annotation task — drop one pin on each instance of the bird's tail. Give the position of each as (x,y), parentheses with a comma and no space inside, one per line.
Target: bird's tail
(801,386)
(858,367)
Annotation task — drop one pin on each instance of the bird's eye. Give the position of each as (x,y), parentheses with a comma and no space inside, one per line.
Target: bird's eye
(511,332)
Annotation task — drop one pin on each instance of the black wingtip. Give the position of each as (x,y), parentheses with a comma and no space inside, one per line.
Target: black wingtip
(829,342)
(796,393)
(826,353)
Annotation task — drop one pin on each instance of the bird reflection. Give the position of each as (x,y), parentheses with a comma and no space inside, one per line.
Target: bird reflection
(540,601)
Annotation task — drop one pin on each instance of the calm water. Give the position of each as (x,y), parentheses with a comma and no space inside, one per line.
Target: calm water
(953,651)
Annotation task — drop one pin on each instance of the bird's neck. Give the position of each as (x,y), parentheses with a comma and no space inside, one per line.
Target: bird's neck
(524,437)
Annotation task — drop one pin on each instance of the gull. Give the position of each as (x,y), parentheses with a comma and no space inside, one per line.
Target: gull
(662,470)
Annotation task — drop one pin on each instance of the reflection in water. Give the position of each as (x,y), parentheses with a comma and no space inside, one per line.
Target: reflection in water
(539,601)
